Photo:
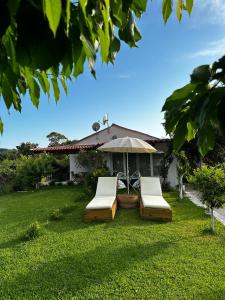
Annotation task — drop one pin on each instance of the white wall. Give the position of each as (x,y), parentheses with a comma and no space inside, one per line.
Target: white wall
(172,173)
(75,167)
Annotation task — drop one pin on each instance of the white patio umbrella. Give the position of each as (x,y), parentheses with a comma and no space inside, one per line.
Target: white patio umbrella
(127,145)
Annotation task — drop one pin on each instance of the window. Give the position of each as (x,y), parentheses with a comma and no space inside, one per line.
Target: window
(157,161)
(117,163)
(144,164)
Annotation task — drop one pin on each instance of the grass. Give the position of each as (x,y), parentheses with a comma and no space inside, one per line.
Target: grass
(126,259)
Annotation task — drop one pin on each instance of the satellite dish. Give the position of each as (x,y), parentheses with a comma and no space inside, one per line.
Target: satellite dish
(105,119)
(96,126)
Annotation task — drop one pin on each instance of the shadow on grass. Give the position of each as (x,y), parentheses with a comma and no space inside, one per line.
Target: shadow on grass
(13,243)
(74,274)
(207,232)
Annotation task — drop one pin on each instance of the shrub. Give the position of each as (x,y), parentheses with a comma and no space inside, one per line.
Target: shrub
(56,215)
(91,160)
(166,187)
(210,181)
(70,182)
(33,231)
(30,170)
(7,175)
(60,168)
(91,178)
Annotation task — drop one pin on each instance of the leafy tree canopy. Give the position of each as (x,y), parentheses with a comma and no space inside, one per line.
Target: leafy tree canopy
(47,42)
(57,139)
(25,148)
(196,111)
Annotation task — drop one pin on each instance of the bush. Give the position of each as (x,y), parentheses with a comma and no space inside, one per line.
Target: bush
(56,215)
(166,187)
(210,181)
(91,178)
(33,231)
(60,168)
(31,169)
(91,160)
(7,175)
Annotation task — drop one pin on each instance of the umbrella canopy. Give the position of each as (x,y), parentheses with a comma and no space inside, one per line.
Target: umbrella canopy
(127,145)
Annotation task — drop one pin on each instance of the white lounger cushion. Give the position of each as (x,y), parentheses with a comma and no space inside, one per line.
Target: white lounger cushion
(154,202)
(151,186)
(101,202)
(105,194)
(106,186)
(151,193)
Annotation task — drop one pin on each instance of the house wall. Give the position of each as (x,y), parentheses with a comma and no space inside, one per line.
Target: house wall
(76,168)
(172,173)
(116,131)
(108,134)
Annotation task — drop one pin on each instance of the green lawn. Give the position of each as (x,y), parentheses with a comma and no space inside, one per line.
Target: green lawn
(125,259)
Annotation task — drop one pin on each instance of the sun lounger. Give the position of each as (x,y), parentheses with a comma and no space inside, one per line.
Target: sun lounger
(152,205)
(103,206)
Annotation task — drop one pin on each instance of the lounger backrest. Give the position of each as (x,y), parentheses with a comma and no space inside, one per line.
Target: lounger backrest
(151,186)
(106,186)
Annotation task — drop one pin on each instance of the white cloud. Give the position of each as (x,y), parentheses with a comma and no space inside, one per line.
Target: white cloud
(210,11)
(216,48)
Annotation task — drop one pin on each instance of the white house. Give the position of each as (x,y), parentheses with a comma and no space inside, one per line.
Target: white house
(146,164)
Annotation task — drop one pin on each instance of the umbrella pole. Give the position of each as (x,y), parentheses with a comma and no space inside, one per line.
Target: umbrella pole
(128,180)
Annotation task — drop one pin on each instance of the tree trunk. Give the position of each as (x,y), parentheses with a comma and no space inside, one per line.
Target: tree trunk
(212,221)
(181,186)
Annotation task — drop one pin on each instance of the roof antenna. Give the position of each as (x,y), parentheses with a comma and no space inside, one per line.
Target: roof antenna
(105,120)
(96,125)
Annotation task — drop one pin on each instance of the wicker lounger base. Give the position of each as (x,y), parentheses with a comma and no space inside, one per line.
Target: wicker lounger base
(160,214)
(100,214)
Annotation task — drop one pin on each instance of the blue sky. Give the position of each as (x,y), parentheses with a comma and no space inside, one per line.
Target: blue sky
(135,88)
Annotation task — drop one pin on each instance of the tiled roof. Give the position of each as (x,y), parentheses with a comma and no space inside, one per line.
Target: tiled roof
(70,149)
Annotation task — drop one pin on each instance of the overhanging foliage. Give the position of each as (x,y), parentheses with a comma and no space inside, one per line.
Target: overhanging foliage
(43,43)
(196,111)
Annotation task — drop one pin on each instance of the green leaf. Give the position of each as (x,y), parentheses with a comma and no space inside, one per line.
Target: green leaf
(16,101)
(180,134)
(62,79)
(46,81)
(88,47)
(68,15)
(56,89)
(191,131)
(34,92)
(139,6)
(34,89)
(179,96)
(10,48)
(167,8)
(7,92)
(116,12)
(79,60)
(1,126)
(103,32)
(104,43)
(137,34)
(53,10)
(201,74)
(114,48)
(206,140)
(179,9)
(189,5)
